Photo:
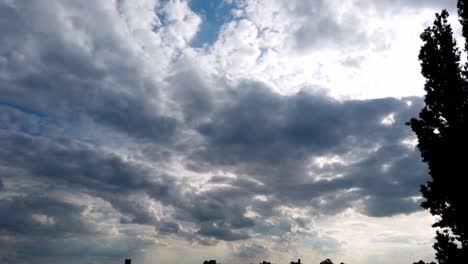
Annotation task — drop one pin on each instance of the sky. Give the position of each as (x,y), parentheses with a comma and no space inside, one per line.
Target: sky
(175,131)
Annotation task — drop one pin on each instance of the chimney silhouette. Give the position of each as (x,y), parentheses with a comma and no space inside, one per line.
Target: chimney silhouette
(128,261)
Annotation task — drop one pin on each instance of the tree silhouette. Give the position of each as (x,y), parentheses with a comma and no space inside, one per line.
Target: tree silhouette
(298,262)
(442,131)
(327,261)
(422,262)
(209,261)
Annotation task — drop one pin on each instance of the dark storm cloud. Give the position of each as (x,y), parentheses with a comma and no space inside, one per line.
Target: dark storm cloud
(76,164)
(46,225)
(76,248)
(219,213)
(14,118)
(387,182)
(273,138)
(79,167)
(37,225)
(83,168)
(259,121)
(266,138)
(37,215)
(221,232)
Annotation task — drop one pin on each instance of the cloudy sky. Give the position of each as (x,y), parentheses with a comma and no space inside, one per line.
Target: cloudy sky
(173,131)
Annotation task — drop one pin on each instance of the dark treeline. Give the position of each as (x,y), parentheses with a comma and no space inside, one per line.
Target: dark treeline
(327,261)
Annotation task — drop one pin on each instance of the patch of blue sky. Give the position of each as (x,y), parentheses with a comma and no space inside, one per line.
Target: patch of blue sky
(23,109)
(214,14)
(26,120)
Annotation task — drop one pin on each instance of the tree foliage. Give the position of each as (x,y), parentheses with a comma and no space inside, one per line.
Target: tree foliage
(442,131)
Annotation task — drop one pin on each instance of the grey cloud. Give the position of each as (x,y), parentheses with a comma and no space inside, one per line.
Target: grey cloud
(168,227)
(35,215)
(379,206)
(48,226)
(324,244)
(251,250)
(97,74)
(353,61)
(78,167)
(83,168)
(79,249)
(77,164)
(323,31)
(315,24)
(279,228)
(192,94)
(260,121)
(134,117)
(267,141)
(272,138)
(264,141)
(38,226)
(221,231)
(219,213)
(392,4)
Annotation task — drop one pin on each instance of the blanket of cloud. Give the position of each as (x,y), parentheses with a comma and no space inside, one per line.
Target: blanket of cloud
(281,136)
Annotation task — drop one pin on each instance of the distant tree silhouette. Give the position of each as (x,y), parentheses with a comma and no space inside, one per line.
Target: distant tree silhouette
(442,131)
(210,261)
(422,262)
(265,262)
(298,262)
(327,261)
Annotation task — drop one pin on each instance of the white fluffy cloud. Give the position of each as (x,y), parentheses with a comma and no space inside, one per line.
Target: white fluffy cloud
(351,49)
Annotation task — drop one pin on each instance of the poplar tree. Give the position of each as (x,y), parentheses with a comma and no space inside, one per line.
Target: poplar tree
(442,132)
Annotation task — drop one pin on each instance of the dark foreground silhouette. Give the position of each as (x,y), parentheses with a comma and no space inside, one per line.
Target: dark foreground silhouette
(327,261)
